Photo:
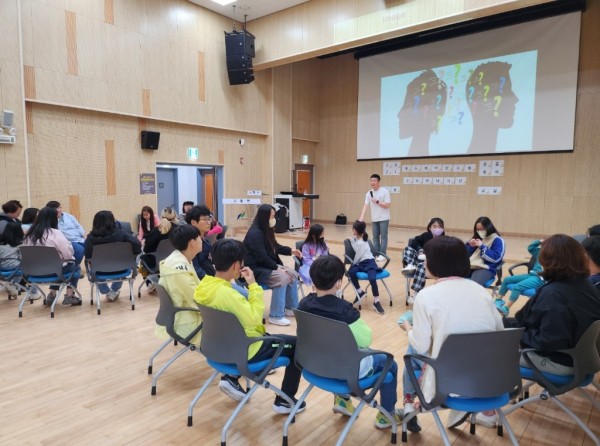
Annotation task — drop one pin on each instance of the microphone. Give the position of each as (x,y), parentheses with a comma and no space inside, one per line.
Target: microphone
(371,192)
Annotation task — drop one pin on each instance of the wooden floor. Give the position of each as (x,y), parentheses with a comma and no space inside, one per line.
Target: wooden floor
(80,379)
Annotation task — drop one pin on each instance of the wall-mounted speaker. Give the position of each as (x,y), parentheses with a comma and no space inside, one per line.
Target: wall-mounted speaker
(7,118)
(150,140)
(239,48)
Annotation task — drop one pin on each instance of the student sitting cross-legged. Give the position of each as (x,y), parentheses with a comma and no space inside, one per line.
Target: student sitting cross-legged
(217,292)
(327,273)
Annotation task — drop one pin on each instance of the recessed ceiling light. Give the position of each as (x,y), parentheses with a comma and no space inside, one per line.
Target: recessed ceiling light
(223,2)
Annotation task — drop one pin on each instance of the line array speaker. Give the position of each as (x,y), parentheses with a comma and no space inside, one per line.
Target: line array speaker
(239,49)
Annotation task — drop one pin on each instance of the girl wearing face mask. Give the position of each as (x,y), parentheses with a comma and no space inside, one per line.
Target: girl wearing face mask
(262,257)
(486,249)
(314,247)
(435,228)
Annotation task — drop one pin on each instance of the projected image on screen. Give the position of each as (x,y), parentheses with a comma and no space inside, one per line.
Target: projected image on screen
(499,91)
(471,107)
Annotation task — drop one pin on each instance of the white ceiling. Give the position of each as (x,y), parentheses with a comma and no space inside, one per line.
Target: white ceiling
(253,8)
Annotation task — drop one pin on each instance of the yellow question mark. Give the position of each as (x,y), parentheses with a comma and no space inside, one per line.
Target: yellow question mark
(498,100)
(423,87)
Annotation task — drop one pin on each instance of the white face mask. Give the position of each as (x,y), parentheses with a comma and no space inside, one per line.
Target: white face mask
(482,234)
(272,222)
(437,231)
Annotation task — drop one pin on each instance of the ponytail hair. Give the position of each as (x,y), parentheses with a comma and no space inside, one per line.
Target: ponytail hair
(360,228)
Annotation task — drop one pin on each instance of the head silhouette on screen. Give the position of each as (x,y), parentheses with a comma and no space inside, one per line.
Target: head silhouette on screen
(420,116)
(492,103)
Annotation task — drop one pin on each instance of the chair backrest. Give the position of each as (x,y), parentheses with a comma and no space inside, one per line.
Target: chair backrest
(166,314)
(112,257)
(125,226)
(40,261)
(224,339)
(212,238)
(297,261)
(222,234)
(348,252)
(327,348)
(163,250)
(478,365)
(299,244)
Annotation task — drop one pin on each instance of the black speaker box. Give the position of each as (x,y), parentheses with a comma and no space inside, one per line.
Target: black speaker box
(150,140)
(239,62)
(240,77)
(239,42)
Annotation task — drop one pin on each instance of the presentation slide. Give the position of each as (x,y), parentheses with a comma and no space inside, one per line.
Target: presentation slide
(499,91)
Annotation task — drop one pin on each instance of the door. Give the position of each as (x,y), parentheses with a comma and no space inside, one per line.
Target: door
(207,189)
(167,188)
(304,181)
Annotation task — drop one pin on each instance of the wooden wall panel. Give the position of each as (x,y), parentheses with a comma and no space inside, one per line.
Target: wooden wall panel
(201,77)
(74,206)
(146,104)
(109,13)
(111,178)
(71,34)
(29,73)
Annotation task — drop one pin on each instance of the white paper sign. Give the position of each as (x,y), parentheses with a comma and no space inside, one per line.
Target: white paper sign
(408,180)
(469,167)
(394,189)
(241,201)
(252,193)
(406,167)
(427,180)
(415,168)
(448,181)
(447,168)
(417,180)
(460,181)
(438,181)
(436,167)
(391,168)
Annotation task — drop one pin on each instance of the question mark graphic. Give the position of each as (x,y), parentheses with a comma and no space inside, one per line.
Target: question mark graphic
(451,90)
(486,90)
(498,100)
(423,87)
(440,79)
(480,77)
(457,66)
(416,104)
(471,92)
(502,82)
(439,121)
(439,99)
(460,116)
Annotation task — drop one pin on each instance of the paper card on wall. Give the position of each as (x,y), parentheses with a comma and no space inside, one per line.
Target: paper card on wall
(497,171)
(427,180)
(496,190)
(408,180)
(447,167)
(485,163)
(460,181)
(469,167)
(241,201)
(394,189)
(415,168)
(426,168)
(498,163)
(448,181)
(436,167)
(417,180)
(482,190)
(438,180)
(458,168)
(256,193)
(391,168)
(406,167)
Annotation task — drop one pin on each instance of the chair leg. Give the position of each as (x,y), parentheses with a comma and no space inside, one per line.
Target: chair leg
(92,293)
(60,290)
(131,298)
(440,426)
(235,413)
(388,291)
(155,354)
(292,414)
(198,395)
(349,423)
(502,421)
(140,288)
(165,367)
(588,397)
(577,420)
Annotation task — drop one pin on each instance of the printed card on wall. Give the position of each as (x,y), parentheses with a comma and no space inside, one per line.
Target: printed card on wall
(408,180)
(460,181)
(415,168)
(447,168)
(449,181)
(405,167)
(256,193)
(417,180)
(469,167)
(427,180)
(391,168)
(426,168)
(458,168)
(481,190)
(496,190)
(485,168)
(497,171)
(438,181)
(394,189)
(436,167)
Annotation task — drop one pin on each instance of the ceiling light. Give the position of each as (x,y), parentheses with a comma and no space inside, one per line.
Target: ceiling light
(223,2)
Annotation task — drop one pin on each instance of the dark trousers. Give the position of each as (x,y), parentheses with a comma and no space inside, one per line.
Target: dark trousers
(366,266)
(291,378)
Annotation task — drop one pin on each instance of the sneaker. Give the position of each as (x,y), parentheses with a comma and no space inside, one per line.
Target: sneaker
(342,406)
(279,321)
(503,310)
(413,425)
(406,316)
(281,406)
(34,293)
(289,312)
(360,296)
(421,256)
(486,420)
(50,298)
(111,296)
(12,290)
(499,302)
(378,308)
(456,418)
(230,386)
(411,298)
(382,422)
(409,270)
(71,301)
(380,258)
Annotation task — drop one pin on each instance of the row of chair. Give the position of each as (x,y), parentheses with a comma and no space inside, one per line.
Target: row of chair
(483,368)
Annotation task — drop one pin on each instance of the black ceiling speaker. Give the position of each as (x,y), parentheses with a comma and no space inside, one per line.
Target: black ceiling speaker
(150,140)
(239,49)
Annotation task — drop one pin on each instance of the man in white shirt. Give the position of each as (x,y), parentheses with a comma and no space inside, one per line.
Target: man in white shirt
(71,229)
(378,199)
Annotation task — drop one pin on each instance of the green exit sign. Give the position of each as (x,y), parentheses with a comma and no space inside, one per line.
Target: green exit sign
(192,153)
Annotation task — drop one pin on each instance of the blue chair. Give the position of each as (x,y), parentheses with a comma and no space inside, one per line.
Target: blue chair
(464,367)
(43,265)
(111,262)
(529,265)
(163,250)
(9,278)
(586,363)
(330,360)
(225,345)
(382,274)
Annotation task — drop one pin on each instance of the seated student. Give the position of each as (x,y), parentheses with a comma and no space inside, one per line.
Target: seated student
(412,256)
(314,247)
(179,279)
(148,221)
(327,273)
(185,207)
(561,311)
(521,282)
(29,216)
(216,292)
(168,221)
(10,213)
(105,230)
(486,249)
(453,304)
(592,249)
(10,258)
(71,229)
(594,230)
(200,217)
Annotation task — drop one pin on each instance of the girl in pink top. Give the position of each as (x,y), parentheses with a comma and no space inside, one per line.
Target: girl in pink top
(148,221)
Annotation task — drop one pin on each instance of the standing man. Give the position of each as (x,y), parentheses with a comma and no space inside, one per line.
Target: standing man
(71,229)
(378,198)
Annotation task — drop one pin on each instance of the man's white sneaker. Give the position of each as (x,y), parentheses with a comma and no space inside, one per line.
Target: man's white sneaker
(456,418)
(34,293)
(112,295)
(279,321)
(486,420)
(408,270)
